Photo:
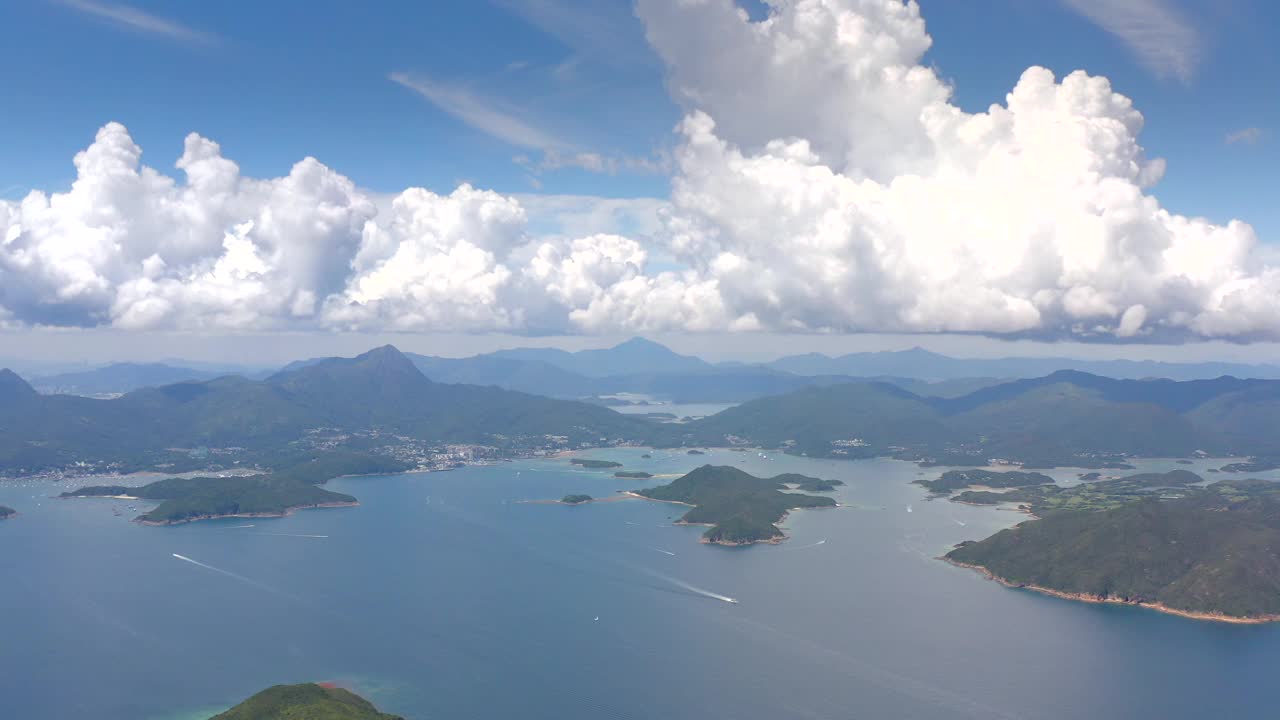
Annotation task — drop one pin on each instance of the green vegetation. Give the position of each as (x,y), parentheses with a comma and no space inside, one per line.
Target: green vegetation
(1042,500)
(305,702)
(202,498)
(1252,466)
(595,464)
(379,393)
(1064,419)
(575,499)
(1213,552)
(953,480)
(633,475)
(808,484)
(740,507)
(7,512)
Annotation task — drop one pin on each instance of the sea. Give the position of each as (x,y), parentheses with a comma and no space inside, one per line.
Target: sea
(447,595)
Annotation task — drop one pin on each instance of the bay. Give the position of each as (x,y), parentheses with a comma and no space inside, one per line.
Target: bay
(444,596)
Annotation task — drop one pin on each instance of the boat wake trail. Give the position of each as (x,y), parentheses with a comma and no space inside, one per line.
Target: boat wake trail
(692,588)
(814,545)
(241,578)
(290,535)
(664,552)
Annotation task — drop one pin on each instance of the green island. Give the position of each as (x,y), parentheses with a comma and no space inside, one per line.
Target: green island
(6,512)
(575,499)
(1251,466)
(595,464)
(953,480)
(277,494)
(741,508)
(633,475)
(307,701)
(696,452)
(808,484)
(1159,540)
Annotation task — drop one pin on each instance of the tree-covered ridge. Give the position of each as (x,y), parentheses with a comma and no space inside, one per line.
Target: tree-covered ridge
(741,508)
(1155,539)
(953,480)
(305,702)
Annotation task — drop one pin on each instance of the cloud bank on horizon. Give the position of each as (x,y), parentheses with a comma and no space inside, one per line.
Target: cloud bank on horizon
(824,182)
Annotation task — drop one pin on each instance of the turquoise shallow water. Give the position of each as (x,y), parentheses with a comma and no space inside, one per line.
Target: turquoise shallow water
(442,596)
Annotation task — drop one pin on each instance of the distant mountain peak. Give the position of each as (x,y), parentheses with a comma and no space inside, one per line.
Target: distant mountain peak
(640,343)
(13,387)
(384,351)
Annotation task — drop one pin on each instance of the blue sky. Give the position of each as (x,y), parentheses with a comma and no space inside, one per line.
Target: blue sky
(820,184)
(291,79)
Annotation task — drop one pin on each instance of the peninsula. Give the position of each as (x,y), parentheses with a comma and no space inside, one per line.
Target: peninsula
(1152,540)
(741,508)
(188,499)
(953,480)
(307,701)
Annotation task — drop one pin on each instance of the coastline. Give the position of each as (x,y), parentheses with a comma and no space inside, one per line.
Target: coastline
(287,512)
(1085,597)
(723,543)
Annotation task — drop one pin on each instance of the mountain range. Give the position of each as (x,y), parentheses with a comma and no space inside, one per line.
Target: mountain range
(922,364)
(380,391)
(1065,418)
(642,367)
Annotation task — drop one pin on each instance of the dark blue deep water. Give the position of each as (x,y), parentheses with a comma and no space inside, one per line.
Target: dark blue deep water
(443,597)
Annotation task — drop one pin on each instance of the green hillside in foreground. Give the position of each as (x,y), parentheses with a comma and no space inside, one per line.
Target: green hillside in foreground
(1213,551)
(740,507)
(305,702)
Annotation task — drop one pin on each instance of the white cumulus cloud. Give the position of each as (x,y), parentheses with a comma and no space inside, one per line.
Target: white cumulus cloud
(827,183)
(824,181)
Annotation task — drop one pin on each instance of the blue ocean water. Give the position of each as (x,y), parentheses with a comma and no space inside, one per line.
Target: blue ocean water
(443,596)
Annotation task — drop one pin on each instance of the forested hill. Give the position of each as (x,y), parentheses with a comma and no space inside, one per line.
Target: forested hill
(1064,418)
(380,390)
(305,702)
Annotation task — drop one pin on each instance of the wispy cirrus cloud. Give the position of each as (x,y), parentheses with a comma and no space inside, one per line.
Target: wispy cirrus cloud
(1246,136)
(132,18)
(607,32)
(497,119)
(482,113)
(1158,33)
